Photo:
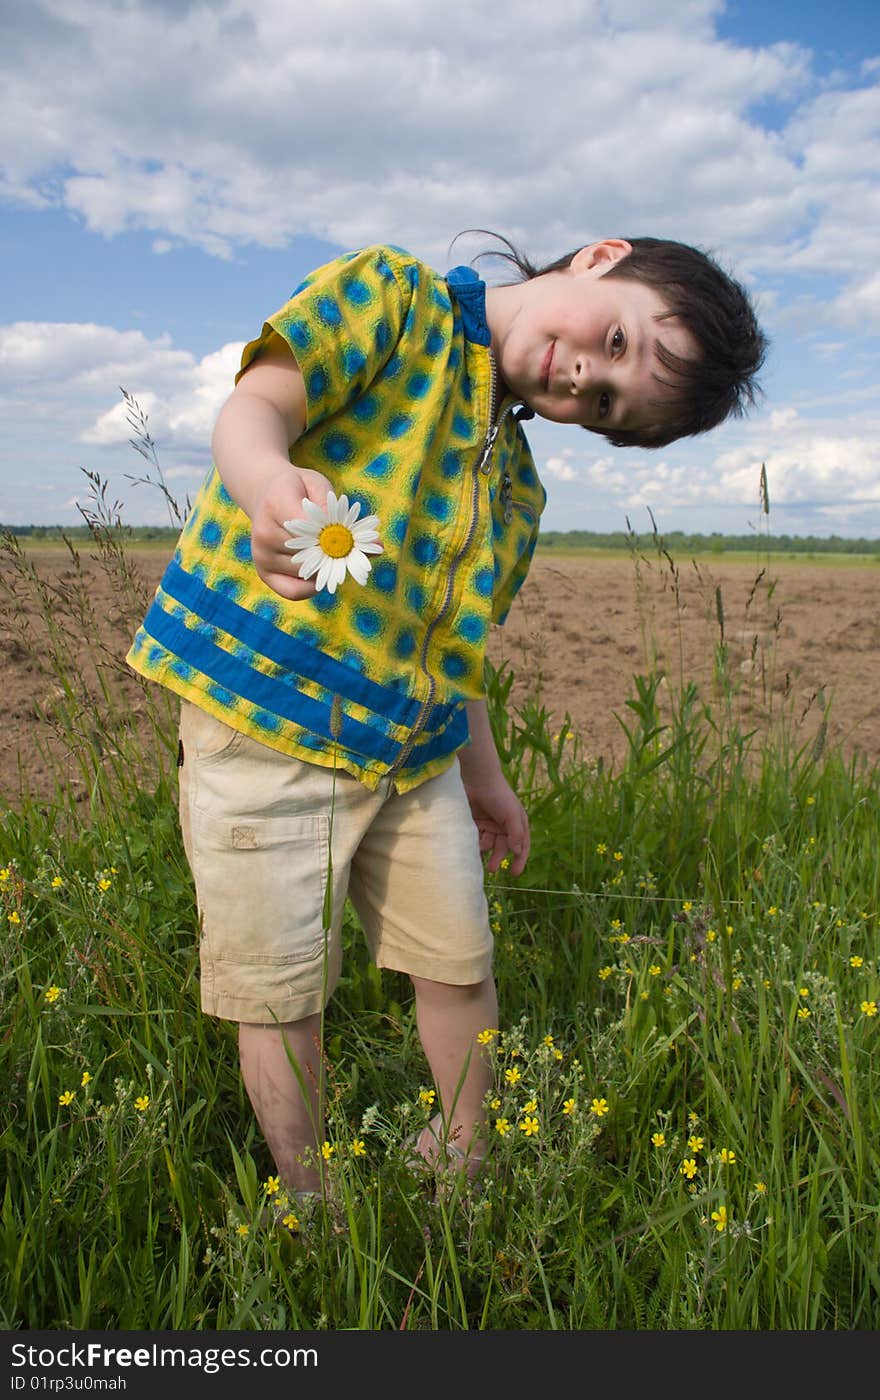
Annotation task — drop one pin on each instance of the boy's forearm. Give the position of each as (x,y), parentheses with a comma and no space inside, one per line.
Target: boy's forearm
(479,758)
(250,448)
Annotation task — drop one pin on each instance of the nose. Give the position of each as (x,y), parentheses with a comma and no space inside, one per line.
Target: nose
(580,374)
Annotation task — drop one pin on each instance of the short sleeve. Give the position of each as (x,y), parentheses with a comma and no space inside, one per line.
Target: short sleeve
(516,533)
(342,325)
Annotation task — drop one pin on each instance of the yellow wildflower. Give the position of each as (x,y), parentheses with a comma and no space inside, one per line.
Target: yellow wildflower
(869,1008)
(357,1148)
(290,1222)
(14,917)
(531,1106)
(495,1104)
(804,1013)
(727,1156)
(605,973)
(529,1126)
(65,1098)
(512,1075)
(711,935)
(655,969)
(502,1126)
(142,1103)
(720,1218)
(427,1097)
(56,882)
(486,1037)
(86,1078)
(569,1106)
(271,1185)
(548,1040)
(689,1168)
(695,1144)
(327,1150)
(803,991)
(658,1139)
(761,1188)
(600,851)
(599,1107)
(243,1231)
(618,855)
(856,961)
(52,993)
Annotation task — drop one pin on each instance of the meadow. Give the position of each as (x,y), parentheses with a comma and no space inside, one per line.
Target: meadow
(684,1123)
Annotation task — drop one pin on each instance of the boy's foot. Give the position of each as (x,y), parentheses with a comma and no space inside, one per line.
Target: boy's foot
(430,1150)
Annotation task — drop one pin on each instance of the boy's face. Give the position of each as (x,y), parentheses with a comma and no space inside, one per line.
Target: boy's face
(579,347)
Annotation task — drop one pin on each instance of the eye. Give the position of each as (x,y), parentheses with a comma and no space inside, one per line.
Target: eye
(618,340)
(604,405)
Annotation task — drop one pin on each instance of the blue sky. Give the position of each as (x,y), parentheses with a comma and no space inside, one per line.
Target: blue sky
(168,172)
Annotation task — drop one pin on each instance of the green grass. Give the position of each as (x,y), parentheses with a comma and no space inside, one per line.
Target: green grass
(686,973)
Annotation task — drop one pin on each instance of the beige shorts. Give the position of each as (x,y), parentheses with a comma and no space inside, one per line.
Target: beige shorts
(256,829)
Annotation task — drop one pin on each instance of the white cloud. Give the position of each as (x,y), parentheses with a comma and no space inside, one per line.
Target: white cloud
(560,467)
(233,122)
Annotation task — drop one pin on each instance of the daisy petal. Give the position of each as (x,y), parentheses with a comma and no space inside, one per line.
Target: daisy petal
(358,566)
(352,515)
(314,513)
(300,524)
(311,562)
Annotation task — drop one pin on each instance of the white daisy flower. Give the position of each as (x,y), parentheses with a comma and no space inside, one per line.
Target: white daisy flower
(332,541)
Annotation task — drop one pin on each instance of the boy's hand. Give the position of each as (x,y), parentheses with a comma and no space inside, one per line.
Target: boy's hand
(282,500)
(501,822)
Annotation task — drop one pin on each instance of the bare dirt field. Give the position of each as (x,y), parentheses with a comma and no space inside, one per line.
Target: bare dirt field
(802,644)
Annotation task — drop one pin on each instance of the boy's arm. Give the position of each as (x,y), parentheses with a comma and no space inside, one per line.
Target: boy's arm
(256,427)
(499,815)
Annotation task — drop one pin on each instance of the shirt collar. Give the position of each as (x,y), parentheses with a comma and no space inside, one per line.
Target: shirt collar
(469,291)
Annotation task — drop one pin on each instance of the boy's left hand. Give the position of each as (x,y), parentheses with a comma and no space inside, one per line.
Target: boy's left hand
(501,822)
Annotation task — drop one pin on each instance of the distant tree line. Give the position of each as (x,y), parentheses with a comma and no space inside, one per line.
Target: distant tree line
(679,542)
(676,541)
(137,533)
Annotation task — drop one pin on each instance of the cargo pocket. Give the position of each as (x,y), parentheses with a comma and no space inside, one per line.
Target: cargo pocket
(260,883)
(204,737)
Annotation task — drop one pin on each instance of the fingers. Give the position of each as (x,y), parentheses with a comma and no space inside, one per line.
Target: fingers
(500,842)
(288,585)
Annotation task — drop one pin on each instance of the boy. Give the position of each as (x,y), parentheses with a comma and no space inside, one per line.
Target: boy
(404,391)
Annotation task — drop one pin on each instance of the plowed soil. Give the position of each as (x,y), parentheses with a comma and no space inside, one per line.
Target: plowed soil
(778,643)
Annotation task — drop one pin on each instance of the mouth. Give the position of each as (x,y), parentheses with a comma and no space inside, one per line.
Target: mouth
(547,365)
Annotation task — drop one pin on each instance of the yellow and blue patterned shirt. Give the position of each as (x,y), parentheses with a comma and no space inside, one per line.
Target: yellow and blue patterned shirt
(401,416)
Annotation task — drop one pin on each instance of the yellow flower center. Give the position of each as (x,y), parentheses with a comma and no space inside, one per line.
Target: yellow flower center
(336,540)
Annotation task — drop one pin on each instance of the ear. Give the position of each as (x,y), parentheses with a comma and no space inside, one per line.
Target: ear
(600,255)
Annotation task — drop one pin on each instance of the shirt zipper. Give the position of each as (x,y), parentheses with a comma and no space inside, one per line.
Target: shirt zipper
(481,467)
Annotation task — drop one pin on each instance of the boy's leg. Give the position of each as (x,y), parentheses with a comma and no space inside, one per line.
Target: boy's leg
(290,1123)
(449,1019)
